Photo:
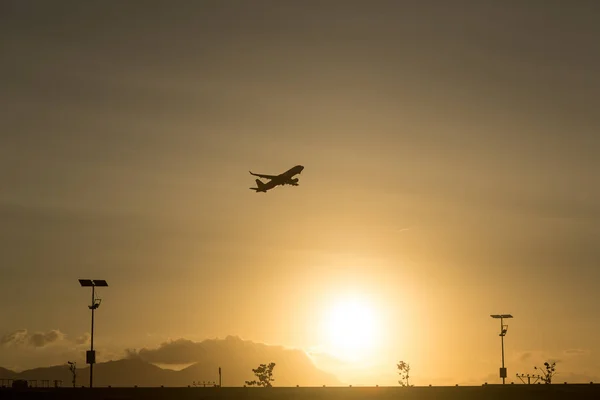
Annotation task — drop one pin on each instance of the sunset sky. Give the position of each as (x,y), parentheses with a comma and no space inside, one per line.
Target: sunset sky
(451,153)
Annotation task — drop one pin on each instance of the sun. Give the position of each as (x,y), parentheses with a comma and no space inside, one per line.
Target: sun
(351,329)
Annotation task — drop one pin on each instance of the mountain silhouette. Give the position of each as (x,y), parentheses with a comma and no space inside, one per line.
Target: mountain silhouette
(112,373)
(235,356)
(7,373)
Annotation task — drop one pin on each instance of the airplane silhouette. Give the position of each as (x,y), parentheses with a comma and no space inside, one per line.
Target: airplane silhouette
(287,178)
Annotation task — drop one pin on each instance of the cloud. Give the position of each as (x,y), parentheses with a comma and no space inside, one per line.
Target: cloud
(180,351)
(131,354)
(534,357)
(15,338)
(41,339)
(576,352)
(525,356)
(83,339)
(22,338)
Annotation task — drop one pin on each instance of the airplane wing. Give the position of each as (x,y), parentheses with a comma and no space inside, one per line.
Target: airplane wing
(264,176)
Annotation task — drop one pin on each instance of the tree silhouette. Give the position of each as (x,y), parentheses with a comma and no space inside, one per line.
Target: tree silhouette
(548,373)
(264,373)
(403,370)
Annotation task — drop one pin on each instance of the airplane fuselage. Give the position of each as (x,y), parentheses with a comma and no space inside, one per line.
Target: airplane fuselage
(286,178)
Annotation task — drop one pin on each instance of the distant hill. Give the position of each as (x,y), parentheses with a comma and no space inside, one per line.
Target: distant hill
(235,356)
(6,373)
(238,357)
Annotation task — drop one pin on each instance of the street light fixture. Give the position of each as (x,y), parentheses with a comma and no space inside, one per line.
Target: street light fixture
(91,354)
(503,330)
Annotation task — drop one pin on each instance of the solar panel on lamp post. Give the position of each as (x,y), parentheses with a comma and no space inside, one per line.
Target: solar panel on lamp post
(503,330)
(91,354)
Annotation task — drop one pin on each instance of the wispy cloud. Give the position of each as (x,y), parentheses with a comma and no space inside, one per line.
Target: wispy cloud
(41,339)
(525,356)
(17,337)
(576,352)
(21,337)
(179,351)
(83,339)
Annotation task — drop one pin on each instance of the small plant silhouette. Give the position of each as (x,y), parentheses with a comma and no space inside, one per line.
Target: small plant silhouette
(264,373)
(548,373)
(73,369)
(403,370)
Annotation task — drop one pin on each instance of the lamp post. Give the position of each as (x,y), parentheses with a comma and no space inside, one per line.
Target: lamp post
(503,330)
(91,354)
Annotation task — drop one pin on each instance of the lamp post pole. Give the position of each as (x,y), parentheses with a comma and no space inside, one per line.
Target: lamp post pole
(92,307)
(501,340)
(503,330)
(91,354)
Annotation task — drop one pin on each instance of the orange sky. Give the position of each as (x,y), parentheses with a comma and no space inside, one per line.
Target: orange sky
(451,160)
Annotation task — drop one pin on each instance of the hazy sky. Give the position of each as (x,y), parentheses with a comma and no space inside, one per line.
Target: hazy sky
(451,172)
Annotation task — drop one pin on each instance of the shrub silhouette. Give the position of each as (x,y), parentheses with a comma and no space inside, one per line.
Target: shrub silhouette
(403,370)
(264,373)
(548,373)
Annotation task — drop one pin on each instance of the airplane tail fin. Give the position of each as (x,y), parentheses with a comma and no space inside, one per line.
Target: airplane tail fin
(260,186)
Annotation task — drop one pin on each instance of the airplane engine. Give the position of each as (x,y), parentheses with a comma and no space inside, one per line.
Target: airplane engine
(295,180)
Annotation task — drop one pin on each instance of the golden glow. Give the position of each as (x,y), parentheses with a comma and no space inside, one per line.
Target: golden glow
(351,329)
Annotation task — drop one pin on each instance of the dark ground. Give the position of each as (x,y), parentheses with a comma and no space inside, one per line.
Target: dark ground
(507,392)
